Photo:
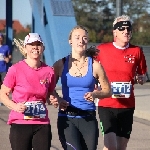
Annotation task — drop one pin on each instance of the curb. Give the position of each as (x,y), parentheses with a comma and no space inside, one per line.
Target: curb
(142,114)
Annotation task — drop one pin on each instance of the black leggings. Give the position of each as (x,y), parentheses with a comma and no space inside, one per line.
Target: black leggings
(28,136)
(78,133)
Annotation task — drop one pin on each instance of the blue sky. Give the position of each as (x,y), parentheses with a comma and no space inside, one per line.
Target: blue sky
(21,11)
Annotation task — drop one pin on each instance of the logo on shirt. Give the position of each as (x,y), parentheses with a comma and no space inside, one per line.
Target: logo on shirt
(129,58)
(44,81)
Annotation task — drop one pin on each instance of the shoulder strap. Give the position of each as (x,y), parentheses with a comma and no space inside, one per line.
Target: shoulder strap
(63,59)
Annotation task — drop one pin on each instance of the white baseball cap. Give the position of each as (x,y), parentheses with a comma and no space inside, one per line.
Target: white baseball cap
(32,37)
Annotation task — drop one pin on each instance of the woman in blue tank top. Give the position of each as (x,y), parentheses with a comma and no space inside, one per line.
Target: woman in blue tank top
(77,124)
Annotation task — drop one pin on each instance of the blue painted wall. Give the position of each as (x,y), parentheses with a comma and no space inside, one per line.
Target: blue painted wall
(53,20)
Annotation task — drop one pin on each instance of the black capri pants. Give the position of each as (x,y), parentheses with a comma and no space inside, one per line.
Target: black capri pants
(78,133)
(28,136)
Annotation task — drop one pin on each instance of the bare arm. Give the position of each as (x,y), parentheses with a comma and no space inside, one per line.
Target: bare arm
(7,59)
(141,69)
(103,80)
(105,91)
(55,99)
(4,98)
(58,71)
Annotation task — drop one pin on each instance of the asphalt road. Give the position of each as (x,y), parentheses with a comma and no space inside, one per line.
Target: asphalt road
(140,137)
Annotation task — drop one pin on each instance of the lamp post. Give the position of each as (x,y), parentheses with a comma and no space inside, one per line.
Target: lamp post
(118,8)
(9,30)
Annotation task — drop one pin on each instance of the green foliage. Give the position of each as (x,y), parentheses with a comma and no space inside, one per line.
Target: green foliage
(107,38)
(21,35)
(92,35)
(141,38)
(98,16)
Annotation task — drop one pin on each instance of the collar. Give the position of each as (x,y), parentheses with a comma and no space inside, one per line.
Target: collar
(121,48)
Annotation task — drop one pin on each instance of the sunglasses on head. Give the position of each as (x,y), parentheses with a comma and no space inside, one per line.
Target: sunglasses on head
(123,28)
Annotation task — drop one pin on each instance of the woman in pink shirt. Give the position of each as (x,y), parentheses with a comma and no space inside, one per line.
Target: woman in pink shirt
(30,81)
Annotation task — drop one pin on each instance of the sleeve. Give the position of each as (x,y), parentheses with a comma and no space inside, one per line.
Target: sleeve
(52,81)
(10,78)
(142,67)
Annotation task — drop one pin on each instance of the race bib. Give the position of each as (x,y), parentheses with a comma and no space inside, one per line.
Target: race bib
(1,57)
(35,110)
(121,89)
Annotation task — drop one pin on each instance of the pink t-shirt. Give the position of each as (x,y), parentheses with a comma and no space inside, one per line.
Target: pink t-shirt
(27,85)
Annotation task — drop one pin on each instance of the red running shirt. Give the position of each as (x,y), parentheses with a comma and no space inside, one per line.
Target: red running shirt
(120,67)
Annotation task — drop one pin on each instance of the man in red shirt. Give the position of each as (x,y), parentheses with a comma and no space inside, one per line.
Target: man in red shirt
(121,61)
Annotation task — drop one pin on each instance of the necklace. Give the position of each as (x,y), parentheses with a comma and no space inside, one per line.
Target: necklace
(78,72)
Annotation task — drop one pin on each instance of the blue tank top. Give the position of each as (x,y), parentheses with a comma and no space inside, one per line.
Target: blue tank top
(74,88)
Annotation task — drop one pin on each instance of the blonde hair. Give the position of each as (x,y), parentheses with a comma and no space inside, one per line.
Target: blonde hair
(77,27)
(20,44)
(123,18)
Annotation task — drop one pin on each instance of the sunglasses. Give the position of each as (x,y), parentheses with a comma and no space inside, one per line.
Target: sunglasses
(123,28)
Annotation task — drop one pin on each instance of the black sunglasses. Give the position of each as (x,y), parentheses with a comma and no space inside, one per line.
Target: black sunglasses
(123,28)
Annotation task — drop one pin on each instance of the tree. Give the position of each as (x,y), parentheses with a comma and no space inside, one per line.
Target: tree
(98,16)
(138,12)
(88,14)
(23,33)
